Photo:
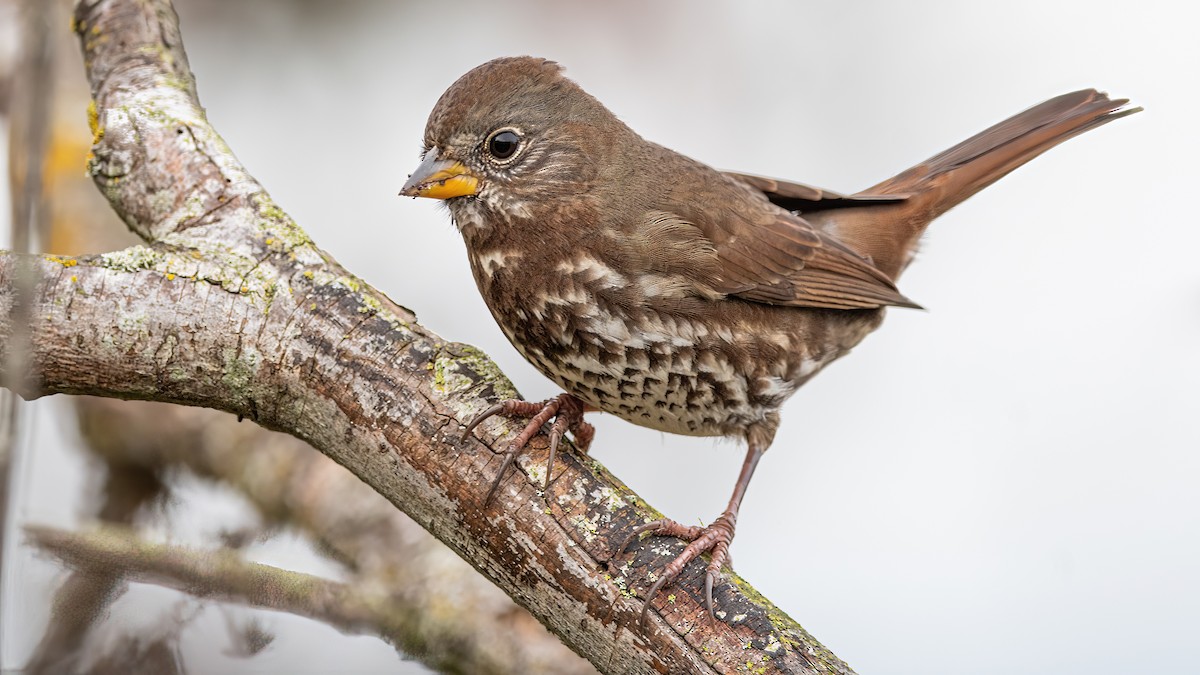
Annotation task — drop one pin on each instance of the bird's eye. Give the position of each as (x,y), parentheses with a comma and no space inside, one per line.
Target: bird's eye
(503,144)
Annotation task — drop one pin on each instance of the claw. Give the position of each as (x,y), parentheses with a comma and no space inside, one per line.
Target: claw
(494,410)
(709,578)
(568,413)
(509,455)
(628,540)
(583,433)
(556,434)
(650,596)
(637,531)
(714,538)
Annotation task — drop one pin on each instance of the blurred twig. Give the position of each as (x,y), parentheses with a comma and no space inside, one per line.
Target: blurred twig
(464,619)
(27,145)
(224,575)
(88,592)
(111,553)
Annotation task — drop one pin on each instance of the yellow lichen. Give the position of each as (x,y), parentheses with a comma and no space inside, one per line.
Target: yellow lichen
(61,260)
(93,117)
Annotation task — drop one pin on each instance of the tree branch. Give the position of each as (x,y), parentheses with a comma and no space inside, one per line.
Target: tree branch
(461,614)
(233,307)
(85,596)
(224,575)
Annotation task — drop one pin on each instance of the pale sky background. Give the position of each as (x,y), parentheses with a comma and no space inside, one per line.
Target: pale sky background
(1007,482)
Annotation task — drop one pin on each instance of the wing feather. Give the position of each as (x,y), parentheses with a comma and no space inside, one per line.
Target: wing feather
(732,241)
(762,253)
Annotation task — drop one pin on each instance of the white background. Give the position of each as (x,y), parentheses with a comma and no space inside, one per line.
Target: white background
(1007,482)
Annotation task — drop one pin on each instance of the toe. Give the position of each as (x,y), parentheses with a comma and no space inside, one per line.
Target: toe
(713,539)
(494,410)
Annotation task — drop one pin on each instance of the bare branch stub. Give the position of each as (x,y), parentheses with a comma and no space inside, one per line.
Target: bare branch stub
(232,306)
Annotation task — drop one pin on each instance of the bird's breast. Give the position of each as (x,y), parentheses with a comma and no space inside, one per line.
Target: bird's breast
(584,324)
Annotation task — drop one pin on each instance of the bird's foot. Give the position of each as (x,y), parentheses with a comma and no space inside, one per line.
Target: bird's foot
(714,538)
(567,412)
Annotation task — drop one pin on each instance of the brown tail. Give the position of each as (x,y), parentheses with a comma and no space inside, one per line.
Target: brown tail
(888,232)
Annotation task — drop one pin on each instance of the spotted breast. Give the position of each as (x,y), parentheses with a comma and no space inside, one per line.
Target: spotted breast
(671,365)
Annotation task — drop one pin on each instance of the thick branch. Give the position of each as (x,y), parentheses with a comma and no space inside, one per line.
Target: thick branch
(234,308)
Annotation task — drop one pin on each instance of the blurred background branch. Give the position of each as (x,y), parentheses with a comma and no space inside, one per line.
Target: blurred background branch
(83,597)
(438,609)
(355,606)
(25,96)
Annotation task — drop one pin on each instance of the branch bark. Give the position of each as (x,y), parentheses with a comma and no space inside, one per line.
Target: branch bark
(231,306)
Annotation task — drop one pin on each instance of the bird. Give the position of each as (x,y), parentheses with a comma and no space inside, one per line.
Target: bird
(653,287)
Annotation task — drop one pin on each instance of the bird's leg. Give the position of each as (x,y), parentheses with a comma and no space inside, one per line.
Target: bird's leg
(715,537)
(567,412)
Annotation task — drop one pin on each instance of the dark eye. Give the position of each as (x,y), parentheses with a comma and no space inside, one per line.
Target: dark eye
(503,144)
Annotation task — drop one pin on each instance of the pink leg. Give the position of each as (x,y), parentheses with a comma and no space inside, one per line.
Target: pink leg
(567,412)
(715,537)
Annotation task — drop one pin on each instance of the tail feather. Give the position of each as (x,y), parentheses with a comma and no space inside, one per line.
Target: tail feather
(888,232)
(991,154)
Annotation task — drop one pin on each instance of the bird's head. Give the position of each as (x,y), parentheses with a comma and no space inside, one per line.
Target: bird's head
(510,133)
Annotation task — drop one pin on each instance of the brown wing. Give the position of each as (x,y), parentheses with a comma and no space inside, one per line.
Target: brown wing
(806,198)
(781,259)
(772,257)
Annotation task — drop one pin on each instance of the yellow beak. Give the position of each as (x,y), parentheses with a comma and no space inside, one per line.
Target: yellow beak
(438,178)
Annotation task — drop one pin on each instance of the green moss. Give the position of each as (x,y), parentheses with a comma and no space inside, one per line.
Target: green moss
(752,667)
(268,209)
(281,229)
(239,368)
(440,364)
(622,585)
(352,284)
(368,302)
(131,323)
(177,83)
(132,259)
(587,527)
(269,293)
(788,634)
(370,305)
(487,369)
